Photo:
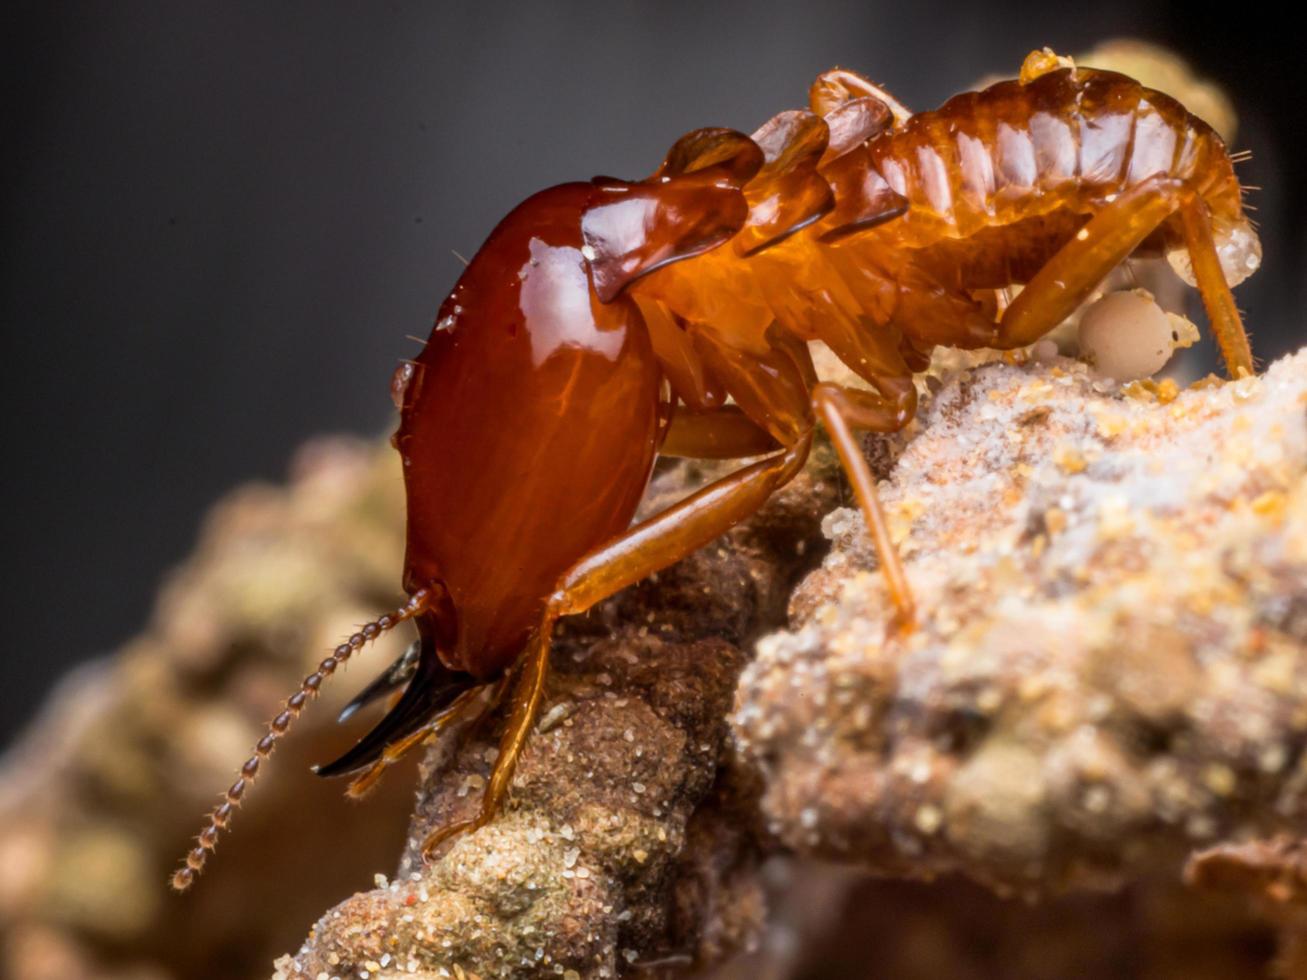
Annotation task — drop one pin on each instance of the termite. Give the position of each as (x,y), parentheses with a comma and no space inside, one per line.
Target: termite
(605,323)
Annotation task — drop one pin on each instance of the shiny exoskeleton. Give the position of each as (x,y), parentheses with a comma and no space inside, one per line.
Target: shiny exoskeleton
(603,323)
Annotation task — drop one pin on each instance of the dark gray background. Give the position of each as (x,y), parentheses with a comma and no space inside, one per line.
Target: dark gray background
(221,219)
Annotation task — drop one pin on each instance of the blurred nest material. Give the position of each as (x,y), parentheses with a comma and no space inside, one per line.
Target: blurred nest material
(1273,873)
(832,923)
(1167,72)
(1111,665)
(102,795)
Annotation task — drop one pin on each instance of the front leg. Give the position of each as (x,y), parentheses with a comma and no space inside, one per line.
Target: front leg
(1070,276)
(648,547)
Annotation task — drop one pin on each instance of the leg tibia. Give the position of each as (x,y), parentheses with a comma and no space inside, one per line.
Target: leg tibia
(528,691)
(840,410)
(1070,276)
(395,751)
(1215,291)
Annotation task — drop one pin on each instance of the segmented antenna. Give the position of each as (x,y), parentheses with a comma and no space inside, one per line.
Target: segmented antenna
(185,876)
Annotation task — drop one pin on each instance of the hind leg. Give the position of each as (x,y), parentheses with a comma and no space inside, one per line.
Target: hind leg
(1070,276)
(1215,291)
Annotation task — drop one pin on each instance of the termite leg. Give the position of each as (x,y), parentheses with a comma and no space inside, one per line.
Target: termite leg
(362,784)
(487,712)
(841,410)
(1068,278)
(1215,291)
(365,782)
(723,433)
(1002,299)
(877,358)
(221,816)
(646,548)
(527,694)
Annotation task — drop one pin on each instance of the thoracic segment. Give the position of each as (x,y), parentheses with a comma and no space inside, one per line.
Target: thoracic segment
(900,228)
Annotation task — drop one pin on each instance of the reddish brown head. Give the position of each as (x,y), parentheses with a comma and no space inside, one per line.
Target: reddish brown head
(530,422)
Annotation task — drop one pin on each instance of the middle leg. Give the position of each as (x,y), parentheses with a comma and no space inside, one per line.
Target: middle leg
(842,410)
(874,356)
(1075,271)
